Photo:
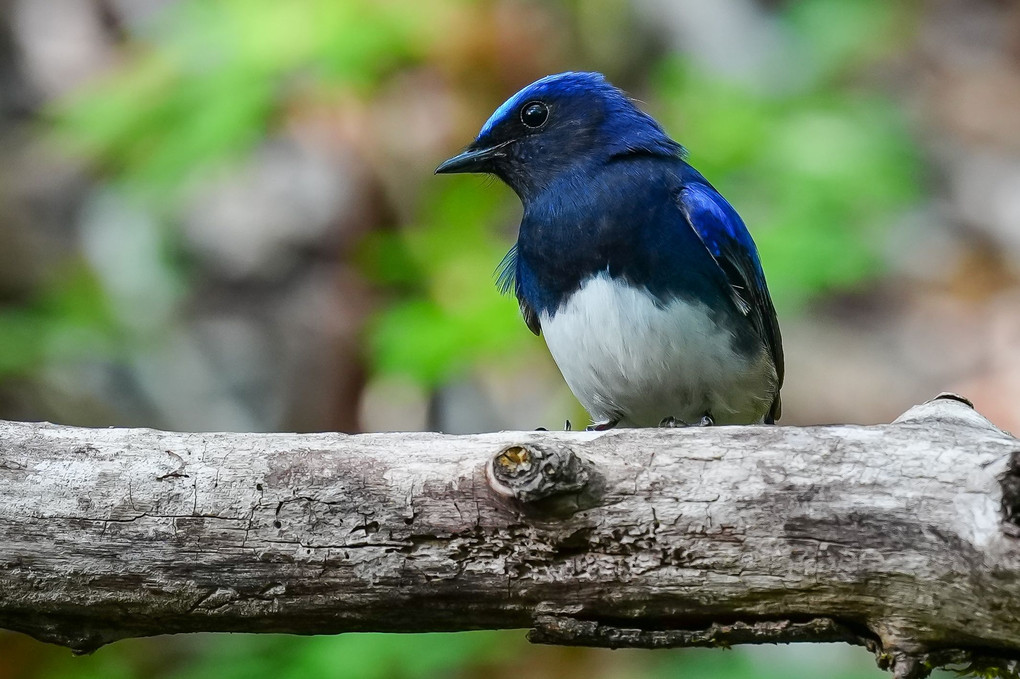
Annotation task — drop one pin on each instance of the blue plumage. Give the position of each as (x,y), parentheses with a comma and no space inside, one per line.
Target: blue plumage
(644,280)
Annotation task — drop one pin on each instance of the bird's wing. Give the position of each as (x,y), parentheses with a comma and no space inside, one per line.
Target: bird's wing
(723,232)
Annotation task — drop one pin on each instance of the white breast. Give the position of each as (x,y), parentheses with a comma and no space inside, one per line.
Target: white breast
(626,357)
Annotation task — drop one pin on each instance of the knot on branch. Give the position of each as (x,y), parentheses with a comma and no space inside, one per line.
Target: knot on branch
(534,471)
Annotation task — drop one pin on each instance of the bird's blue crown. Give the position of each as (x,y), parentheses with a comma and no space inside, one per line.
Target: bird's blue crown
(588,97)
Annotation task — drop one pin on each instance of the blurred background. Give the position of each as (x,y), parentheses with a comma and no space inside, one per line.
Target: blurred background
(221,215)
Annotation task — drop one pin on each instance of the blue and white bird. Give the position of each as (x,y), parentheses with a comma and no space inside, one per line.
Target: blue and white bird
(643,279)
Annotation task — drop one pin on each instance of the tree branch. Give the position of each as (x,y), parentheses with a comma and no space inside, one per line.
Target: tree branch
(900,537)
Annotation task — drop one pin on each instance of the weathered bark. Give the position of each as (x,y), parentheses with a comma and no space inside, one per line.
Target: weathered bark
(900,537)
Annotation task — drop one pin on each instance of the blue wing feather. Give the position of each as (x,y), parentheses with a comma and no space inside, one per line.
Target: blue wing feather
(723,232)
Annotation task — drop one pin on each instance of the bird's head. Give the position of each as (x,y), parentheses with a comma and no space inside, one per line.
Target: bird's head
(555,124)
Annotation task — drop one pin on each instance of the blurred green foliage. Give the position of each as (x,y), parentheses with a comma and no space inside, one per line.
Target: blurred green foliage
(450,308)
(242,656)
(67,321)
(492,655)
(210,79)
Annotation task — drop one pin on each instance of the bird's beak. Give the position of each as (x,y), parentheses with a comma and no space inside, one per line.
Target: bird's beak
(472,160)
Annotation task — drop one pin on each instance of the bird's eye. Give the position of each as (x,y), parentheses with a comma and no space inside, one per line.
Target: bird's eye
(534,114)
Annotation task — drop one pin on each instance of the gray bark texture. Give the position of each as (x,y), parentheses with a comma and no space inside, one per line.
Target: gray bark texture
(900,537)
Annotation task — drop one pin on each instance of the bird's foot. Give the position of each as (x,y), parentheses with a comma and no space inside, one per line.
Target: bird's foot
(601,426)
(671,422)
(566,426)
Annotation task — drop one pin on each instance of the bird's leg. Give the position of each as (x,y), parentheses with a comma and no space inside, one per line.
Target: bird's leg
(605,425)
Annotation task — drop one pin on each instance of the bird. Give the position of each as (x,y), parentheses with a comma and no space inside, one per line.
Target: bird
(643,279)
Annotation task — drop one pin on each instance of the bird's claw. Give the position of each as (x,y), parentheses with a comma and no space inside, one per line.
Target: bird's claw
(672,422)
(566,427)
